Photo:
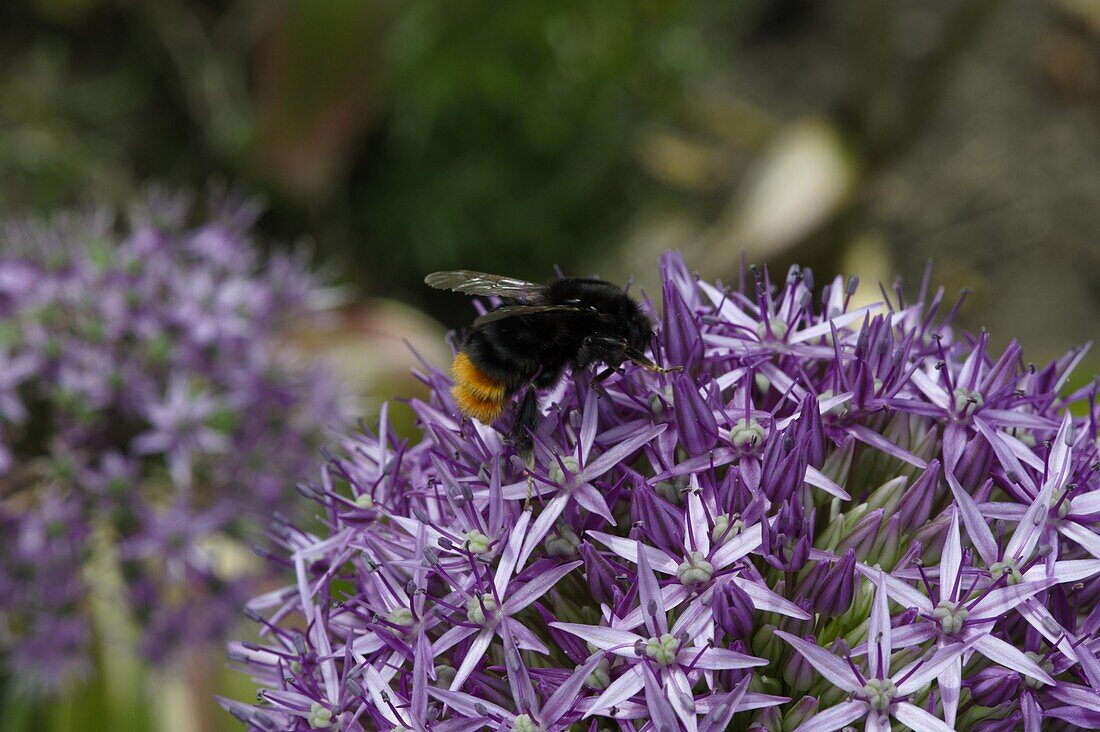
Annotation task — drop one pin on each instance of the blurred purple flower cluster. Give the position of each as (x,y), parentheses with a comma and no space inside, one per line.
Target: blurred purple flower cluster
(832,516)
(147,404)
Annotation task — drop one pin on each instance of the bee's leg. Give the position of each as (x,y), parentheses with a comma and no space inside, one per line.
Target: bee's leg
(587,354)
(597,382)
(603,375)
(525,423)
(593,350)
(640,359)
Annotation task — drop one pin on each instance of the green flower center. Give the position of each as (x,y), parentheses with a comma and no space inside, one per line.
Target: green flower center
(967,402)
(476,542)
(320,717)
(663,650)
(672,490)
(401,616)
(600,678)
(1044,663)
(444,675)
(661,404)
(558,476)
(747,435)
(696,570)
(779,328)
(364,501)
(997,569)
(725,528)
(564,543)
(1059,506)
(880,693)
(524,723)
(951,617)
(836,412)
(480,607)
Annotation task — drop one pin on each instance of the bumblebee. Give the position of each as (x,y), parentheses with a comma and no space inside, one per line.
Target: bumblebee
(539,332)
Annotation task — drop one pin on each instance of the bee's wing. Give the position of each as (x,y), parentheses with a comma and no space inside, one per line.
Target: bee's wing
(511,311)
(482,283)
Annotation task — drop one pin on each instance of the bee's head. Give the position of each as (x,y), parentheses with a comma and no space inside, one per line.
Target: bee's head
(629,322)
(639,329)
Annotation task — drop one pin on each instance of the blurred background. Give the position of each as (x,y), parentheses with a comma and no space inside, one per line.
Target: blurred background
(398,137)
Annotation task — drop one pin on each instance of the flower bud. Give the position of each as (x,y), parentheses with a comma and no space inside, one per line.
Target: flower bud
(811,430)
(766,720)
(863,534)
(1011,723)
(885,549)
(799,712)
(680,331)
(993,686)
(797,672)
(600,678)
(563,542)
(779,545)
(974,465)
(733,611)
(695,422)
(1042,662)
(672,490)
(887,495)
(785,466)
(834,594)
(600,574)
(800,554)
(806,588)
(766,645)
(662,523)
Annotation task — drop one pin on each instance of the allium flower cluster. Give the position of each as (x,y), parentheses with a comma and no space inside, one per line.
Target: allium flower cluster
(147,407)
(831,517)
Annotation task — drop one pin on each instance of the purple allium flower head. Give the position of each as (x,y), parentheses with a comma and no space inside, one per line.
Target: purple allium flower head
(149,405)
(830,516)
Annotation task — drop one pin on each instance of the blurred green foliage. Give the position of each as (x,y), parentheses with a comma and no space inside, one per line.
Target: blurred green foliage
(405,136)
(512,126)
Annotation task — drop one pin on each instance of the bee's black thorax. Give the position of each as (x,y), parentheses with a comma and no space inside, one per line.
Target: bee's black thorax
(539,347)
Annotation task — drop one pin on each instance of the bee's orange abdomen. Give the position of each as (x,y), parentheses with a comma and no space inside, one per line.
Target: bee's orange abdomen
(478,395)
